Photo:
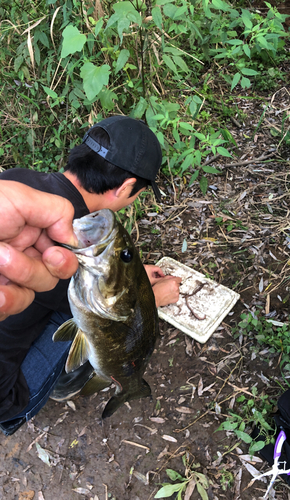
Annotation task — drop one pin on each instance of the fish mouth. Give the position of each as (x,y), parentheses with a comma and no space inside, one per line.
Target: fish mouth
(94,232)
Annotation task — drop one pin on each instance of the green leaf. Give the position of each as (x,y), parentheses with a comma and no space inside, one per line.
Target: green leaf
(256,446)
(263,42)
(227,425)
(164,2)
(17,63)
(122,59)
(181,63)
(168,490)
(228,136)
(37,54)
(157,17)
(243,436)
(169,10)
(187,162)
(193,178)
(224,152)
(202,491)
(125,9)
(186,126)
(173,475)
(203,184)
(73,41)
(168,61)
(219,4)
(197,157)
(106,97)
(50,92)
(123,25)
(99,26)
(249,72)
(235,80)
(160,137)
(42,37)
(245,83)
(210,170)
(246,18)
(200,136)
(94,77)
(140,109)
(247,50)
(235,42)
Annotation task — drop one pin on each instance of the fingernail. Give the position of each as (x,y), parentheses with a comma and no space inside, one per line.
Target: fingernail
(2,299)
(4,256)
(55,258)
(74,242)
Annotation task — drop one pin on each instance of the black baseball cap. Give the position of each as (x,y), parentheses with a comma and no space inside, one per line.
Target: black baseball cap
(133,147)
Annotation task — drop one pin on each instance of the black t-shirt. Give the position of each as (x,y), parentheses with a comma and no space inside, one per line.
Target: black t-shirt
(19,331)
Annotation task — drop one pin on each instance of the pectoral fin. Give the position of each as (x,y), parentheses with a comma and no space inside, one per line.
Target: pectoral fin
(67,331)
(142,391)
(78,353)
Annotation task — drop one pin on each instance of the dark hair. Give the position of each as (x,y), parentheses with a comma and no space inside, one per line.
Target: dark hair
(95,174)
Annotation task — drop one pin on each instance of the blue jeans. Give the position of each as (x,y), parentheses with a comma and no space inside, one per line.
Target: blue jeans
(43,365)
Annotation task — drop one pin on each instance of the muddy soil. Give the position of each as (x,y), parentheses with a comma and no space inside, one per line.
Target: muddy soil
(237,235)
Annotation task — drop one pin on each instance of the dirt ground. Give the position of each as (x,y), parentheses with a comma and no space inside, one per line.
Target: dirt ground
(67,452)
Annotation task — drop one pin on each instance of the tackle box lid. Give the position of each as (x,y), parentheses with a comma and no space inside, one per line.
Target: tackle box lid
(202,305)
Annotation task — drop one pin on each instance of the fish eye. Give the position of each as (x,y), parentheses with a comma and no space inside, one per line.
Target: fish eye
(126,255)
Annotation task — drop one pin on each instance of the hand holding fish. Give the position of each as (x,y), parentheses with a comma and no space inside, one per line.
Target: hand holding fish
(30,221)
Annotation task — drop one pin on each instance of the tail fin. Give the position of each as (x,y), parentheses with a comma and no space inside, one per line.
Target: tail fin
(142,391)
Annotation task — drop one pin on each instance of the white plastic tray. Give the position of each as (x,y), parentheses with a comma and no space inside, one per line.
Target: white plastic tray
(209,301)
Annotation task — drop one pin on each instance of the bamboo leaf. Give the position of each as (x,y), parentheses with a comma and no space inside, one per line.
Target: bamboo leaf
(168,61)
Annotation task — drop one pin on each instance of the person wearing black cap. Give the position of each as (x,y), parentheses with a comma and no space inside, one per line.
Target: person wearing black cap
(118,158)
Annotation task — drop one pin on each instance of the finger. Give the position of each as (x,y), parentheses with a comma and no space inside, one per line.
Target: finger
(27,238)
(60,262)
(159,271)
(25,270)
(175,278)
(14,299)
(18,203)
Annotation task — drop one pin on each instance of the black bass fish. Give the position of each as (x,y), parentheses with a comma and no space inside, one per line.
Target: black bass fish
(115,320)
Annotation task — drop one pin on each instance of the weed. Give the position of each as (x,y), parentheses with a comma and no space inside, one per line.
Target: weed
(226,479)
(185,484)
(274,334)
(256,410)
(230,223)
(253,411)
